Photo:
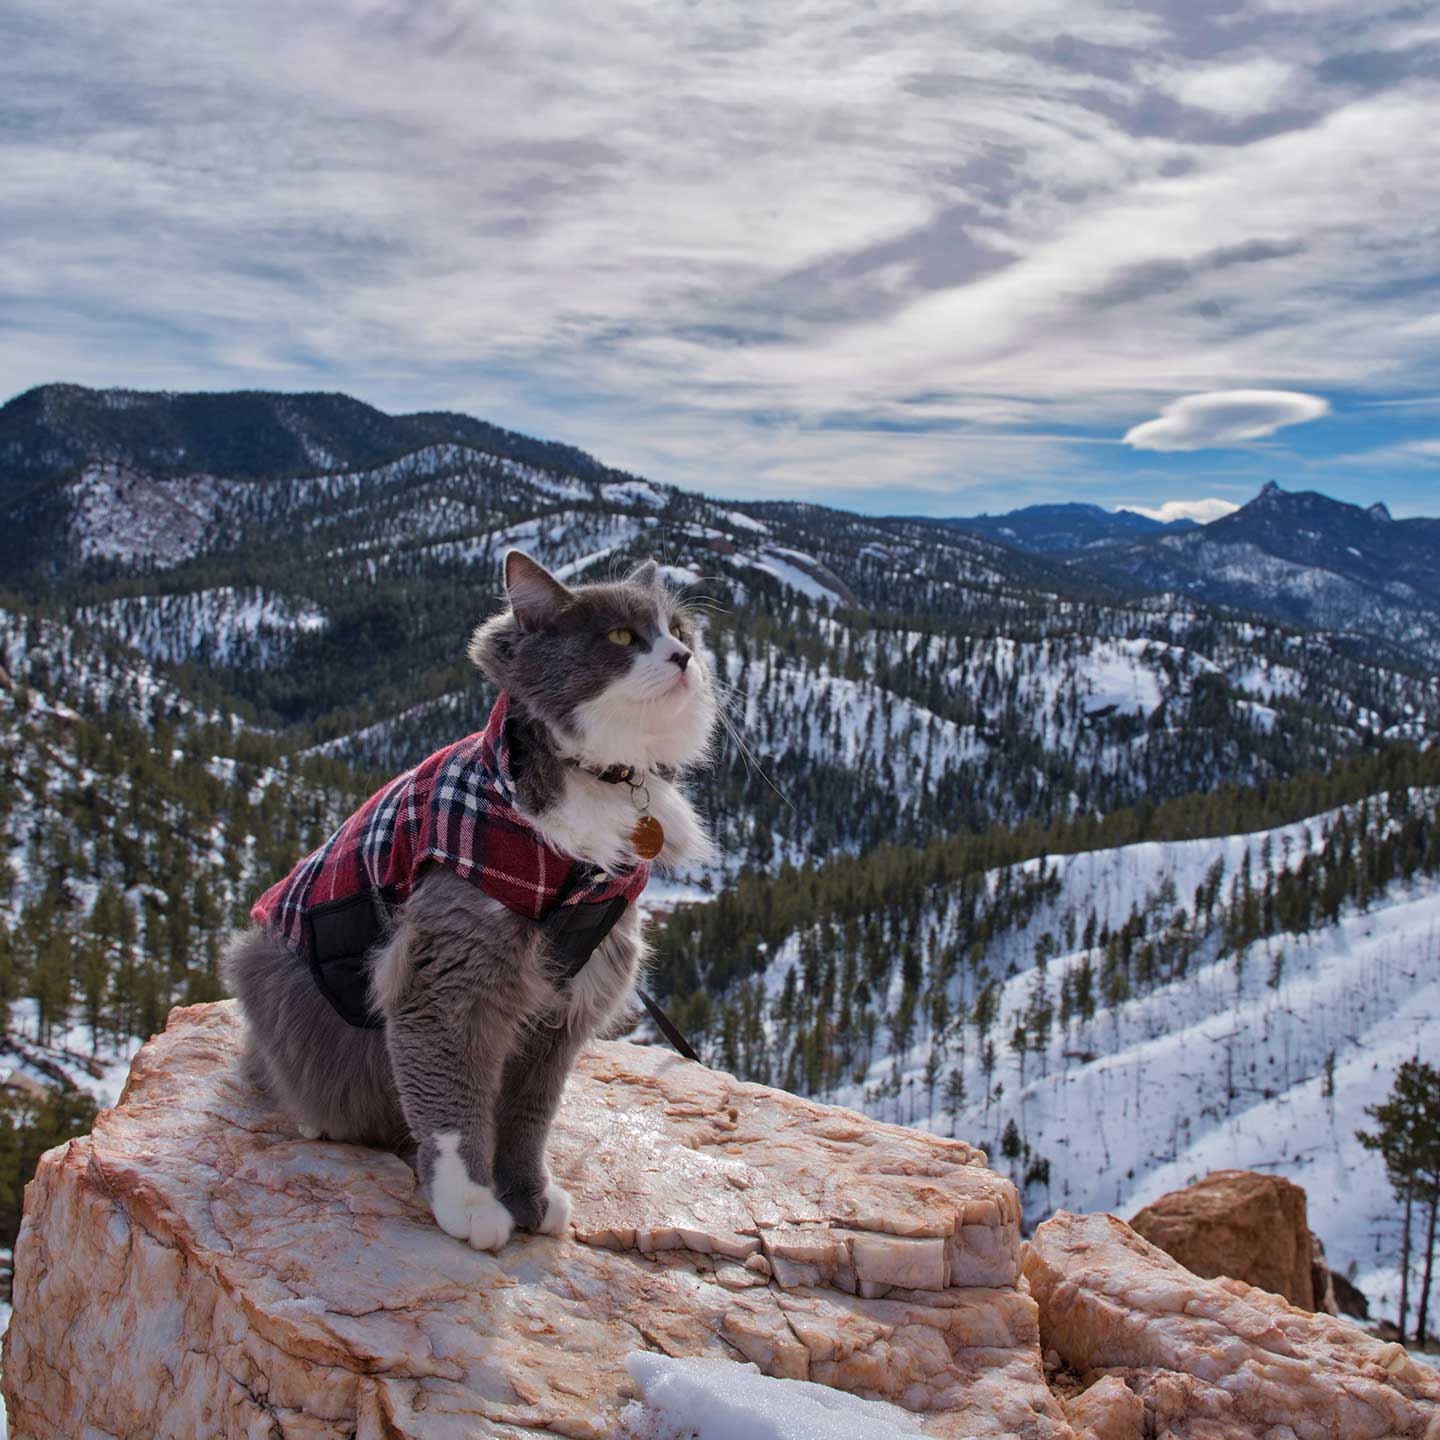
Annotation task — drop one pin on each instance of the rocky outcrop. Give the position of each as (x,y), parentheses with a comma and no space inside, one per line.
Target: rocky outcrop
(194,1268)
(1209,1359)
(1349,1298)
(1238,1223)
(1322,1278)
(1108,1410)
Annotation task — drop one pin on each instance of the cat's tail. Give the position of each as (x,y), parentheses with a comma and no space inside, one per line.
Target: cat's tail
(248,965)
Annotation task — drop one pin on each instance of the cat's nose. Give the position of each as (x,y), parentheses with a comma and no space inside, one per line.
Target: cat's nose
(682,659)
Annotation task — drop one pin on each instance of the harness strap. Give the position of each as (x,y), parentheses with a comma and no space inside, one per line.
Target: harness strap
(667,1026)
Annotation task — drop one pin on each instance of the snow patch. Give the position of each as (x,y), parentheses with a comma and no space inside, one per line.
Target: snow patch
(730,1400)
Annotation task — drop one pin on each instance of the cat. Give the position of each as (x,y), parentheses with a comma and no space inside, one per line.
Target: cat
(606,700)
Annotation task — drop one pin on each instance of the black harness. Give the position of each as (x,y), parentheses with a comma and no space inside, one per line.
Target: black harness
(342,938)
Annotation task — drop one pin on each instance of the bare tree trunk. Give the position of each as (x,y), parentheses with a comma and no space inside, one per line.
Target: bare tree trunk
(1424,1312)
(1405,1257)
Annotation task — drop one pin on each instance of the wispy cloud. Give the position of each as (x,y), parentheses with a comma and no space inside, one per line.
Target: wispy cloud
(921,253)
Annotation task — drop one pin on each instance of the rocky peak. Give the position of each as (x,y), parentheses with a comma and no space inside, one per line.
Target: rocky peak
(1380,511)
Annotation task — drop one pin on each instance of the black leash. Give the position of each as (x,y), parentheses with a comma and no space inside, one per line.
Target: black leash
(667,1028)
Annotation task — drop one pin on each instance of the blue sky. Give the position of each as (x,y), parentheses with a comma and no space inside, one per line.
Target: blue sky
(921,257)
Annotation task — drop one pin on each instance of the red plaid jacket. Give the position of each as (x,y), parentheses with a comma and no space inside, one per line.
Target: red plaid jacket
(455,809)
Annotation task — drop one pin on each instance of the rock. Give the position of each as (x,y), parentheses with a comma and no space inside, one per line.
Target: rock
(1349,1297)
(1108,1410)
(1322,1281)
(1215,1359)
(1237,1223)
(194,1268)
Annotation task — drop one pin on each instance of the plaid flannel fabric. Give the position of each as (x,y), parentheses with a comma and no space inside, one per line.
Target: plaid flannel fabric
(456,809)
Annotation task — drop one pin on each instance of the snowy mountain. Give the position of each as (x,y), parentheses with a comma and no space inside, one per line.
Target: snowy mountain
(1301,558)
(1115,1023)
(962,813)
(249,628)
(315,566)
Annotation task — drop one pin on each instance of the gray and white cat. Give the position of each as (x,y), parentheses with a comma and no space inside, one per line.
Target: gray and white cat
(479,1033)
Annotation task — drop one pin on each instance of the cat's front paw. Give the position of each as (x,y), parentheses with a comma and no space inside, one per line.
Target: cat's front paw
(544,1210)
(557,1210)
(469,1211)
(473,1215)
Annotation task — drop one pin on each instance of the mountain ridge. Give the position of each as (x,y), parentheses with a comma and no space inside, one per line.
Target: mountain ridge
(1299,556)
(1067,527)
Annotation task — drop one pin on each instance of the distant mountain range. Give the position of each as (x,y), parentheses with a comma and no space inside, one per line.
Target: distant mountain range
(96,483)
(1299,557)
(1063,529)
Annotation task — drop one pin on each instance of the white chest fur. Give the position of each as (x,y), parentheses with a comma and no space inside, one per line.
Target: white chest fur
(594,821)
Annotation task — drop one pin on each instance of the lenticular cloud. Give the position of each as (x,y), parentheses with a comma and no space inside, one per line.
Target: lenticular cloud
(1225,417)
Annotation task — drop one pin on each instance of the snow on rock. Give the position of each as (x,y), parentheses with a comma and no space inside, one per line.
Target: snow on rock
(193,1267)
(720,1400)
(118,514)
(1215,1359)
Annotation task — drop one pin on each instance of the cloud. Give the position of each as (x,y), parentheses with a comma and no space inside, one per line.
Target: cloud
(737,247)
(1242,87)
(1224,417)
(1202,511)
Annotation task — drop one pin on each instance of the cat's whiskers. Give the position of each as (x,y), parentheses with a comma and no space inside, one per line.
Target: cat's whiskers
(726,694)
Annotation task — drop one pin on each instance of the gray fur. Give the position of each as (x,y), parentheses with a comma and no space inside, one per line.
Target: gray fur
(550,662)
(333,1079)
(479,1036)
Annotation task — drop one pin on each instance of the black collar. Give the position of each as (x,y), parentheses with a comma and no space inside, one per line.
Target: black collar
(613,774)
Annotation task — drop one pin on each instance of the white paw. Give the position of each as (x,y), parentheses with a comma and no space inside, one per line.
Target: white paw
(311,1132)
(557,1213)
(468,1211)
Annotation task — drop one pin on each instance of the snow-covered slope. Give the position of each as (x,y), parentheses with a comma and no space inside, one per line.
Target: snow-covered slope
(221,626)
(137,519)
(1136,1040)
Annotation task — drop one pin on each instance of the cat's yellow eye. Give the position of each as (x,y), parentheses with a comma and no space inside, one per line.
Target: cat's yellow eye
(621,637)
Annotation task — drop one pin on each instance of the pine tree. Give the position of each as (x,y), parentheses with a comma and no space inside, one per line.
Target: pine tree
(1407,1138)
(955,1098)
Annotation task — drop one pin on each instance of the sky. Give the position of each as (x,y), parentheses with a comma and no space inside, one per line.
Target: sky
(917,258)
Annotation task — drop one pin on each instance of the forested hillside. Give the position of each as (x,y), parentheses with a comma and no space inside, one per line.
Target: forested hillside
(1113,1009)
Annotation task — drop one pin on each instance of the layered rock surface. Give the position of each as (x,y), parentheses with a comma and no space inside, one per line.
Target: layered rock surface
(194,1268)
(1209,1359)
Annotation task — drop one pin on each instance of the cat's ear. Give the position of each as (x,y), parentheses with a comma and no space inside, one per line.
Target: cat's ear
(536,596)
(644,574)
